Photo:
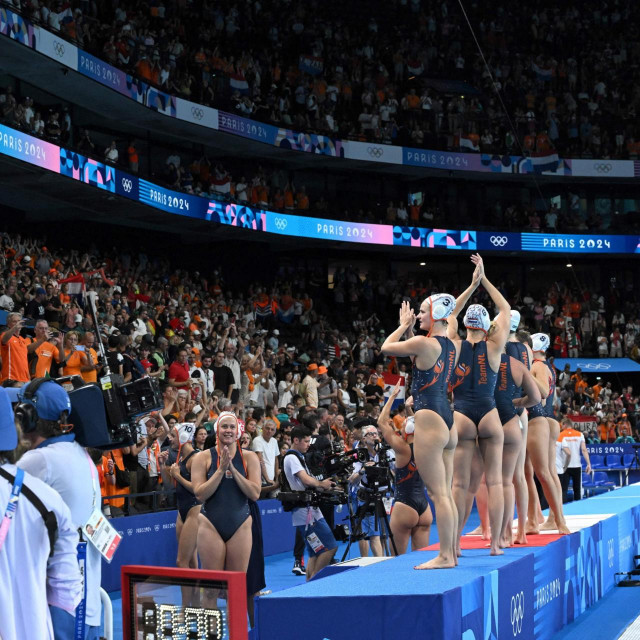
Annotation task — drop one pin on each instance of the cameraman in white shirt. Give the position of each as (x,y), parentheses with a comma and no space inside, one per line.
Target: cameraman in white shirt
(38,564)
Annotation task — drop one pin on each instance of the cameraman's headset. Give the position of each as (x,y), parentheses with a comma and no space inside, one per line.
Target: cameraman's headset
(26,413)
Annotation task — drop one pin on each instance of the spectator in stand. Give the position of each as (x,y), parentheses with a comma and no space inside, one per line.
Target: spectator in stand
(111,153)
(13,349)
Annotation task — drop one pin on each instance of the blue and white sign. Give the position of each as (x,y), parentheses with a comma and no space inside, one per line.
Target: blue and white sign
(598,365)
(565,243)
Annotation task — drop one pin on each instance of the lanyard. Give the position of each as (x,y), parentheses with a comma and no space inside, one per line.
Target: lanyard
(12,505)
(81,609)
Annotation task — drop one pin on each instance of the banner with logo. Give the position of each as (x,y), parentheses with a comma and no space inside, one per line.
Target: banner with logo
(196,113)
(21,146)
(385,153)
(127,185)
(515,604)
(170,201)
(548,588)
(310,64)
(598,365)
(232,123)
(102,72)
(611,449)
(54,47)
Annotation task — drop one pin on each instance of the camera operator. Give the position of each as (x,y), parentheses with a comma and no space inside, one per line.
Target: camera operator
(59,461)
(309,521)
(358,480)
(38,564)
(319,448)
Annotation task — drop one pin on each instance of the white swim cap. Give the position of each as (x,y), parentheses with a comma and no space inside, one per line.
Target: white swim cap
(540,342)
(442,305)
(477,317)
(515,320)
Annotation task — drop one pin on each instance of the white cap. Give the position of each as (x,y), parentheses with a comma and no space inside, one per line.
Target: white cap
(442,305)
(515,320)
(540,342)
(477,317)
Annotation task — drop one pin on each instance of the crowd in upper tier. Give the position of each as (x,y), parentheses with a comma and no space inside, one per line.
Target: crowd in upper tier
(408,72)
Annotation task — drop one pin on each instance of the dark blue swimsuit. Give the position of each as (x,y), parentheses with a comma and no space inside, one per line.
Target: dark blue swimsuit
(409,486)
(506,391)
(474,382)
(519,351)
(185,499)
(429,388)
(548,403)
(540,410)
(228,507)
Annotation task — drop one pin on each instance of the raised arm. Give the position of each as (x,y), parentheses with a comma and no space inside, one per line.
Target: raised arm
(393,346)
(388,432)
(503,319)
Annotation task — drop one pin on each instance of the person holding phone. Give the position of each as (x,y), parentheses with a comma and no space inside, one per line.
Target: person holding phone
(13,350)
(75,356)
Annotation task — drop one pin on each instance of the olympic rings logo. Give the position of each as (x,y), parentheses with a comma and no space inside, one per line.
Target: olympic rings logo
(610,552)
(197,113)
(281,224)
(375,152)
(127,185)
(498,241)
(517,612)
(593,366)
(603,167)
(58,48)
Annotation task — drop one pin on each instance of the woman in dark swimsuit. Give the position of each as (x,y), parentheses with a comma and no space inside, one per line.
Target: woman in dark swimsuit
(188,505)
(435,441)
(476,416)
(225,479)
(411,516)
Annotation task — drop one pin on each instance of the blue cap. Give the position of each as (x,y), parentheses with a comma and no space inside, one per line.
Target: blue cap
(8,433)
(40,292)
(50,400)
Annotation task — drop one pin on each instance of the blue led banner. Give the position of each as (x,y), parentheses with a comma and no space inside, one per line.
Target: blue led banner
(92,172)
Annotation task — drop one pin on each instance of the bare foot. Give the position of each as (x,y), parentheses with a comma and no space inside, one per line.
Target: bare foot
(521,538)
(458,552)
(549,525)
(437,563)
(532,528)
(504,542)
(496,551)
(563,530)
(476,532)
(540,517)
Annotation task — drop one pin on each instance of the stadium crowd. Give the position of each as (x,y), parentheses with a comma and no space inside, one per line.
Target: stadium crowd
(280,189)
(271,353)
(410,74)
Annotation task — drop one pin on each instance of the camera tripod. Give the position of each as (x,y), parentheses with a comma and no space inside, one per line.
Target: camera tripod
(372,505)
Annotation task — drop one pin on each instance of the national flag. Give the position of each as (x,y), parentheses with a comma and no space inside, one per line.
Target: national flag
(75,284)
(467,143)
(390,381)
(541,164)
(238,82)
(221,184)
